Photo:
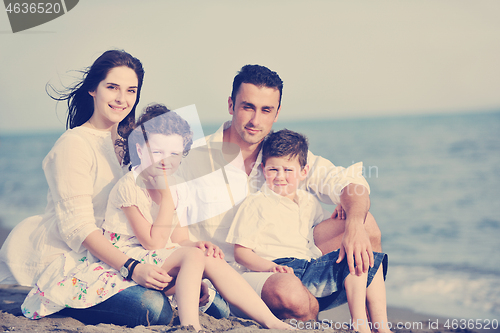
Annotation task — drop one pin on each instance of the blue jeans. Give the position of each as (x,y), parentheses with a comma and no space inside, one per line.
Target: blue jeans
(131,307)
(324,278)
(219,308)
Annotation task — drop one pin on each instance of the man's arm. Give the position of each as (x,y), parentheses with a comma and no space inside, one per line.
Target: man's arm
(254,262)
(355,243)
(347,186)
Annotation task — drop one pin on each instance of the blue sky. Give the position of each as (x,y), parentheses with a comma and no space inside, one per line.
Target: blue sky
(338,59)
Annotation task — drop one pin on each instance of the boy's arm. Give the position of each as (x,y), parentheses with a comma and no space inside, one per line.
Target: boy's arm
(252,261)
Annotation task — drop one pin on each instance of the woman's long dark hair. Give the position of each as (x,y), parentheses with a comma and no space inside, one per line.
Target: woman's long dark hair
(81,104)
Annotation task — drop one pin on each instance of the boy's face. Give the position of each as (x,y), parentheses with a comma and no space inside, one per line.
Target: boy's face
(283,175)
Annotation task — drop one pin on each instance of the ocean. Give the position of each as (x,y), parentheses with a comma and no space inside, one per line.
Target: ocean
(435,190)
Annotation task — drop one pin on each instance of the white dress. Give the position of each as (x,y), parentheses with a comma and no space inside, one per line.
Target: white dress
(81,280)
(81,169)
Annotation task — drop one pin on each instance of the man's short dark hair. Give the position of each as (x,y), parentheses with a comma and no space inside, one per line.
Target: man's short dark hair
(285,143)
(259,76)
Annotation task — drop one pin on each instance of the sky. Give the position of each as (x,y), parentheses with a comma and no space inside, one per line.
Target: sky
(338,59)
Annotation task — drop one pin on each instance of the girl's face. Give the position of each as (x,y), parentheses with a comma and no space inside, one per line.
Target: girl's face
(114,97)
(162,153)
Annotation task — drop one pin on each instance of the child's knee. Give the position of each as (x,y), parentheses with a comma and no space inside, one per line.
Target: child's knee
(192,254)
(196,253)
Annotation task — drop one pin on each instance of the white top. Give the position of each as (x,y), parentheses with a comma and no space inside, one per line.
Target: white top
(128,193)
(81,170)
(274,226)
(219,186)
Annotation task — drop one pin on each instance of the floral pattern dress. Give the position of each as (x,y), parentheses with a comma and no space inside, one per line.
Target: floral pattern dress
(80,280)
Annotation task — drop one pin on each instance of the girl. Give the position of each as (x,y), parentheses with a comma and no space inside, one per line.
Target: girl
(141,221)
(81,170)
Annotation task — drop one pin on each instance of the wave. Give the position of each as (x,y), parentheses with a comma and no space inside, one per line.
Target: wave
(447,292)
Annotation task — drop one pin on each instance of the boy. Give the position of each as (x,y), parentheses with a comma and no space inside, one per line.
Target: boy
(273,232)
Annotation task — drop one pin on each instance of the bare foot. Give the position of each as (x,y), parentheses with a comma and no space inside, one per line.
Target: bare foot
(280,325)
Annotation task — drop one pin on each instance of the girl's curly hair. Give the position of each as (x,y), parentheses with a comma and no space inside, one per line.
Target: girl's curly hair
(155,119)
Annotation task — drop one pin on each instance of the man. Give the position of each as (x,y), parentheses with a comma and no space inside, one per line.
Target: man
(255,104)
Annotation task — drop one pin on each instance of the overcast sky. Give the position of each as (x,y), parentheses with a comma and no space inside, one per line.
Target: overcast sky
(338,59)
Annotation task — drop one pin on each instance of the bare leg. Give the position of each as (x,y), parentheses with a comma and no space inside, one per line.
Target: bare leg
(328,234)
(238,292)
(376,302)
(355,287)
(287,297)
(187,263)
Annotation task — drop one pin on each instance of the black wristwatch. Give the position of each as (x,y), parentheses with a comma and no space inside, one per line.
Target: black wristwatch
(131,269)
(127,272)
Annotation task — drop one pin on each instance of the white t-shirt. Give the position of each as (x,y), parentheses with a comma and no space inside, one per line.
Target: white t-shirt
(274,226)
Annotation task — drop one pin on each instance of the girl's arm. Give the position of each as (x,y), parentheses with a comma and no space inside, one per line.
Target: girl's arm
(153,236)
(149,276)
(251,260)
(180,235)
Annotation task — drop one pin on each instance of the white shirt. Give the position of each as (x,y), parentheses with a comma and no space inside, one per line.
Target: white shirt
(81,170)
(219,186)
(126,193)
(274,226)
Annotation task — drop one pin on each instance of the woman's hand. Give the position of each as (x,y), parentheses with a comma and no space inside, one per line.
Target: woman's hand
(210,249)
(151,276)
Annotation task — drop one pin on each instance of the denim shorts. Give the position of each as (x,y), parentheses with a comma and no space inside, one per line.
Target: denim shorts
(324,278)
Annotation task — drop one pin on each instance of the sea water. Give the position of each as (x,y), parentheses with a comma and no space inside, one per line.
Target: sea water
(435,190)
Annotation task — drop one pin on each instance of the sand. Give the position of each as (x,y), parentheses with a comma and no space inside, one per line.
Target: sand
(12,319)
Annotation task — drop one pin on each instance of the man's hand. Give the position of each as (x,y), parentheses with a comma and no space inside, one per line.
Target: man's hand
(210,249)
(356,245)
(281,269)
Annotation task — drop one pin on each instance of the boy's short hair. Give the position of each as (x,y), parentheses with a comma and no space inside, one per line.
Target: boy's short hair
(285,143)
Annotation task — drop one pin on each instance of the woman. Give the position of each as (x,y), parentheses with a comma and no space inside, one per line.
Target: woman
(81,169)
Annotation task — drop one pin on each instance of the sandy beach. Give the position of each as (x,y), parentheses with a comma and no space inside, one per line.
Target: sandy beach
(12,319)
